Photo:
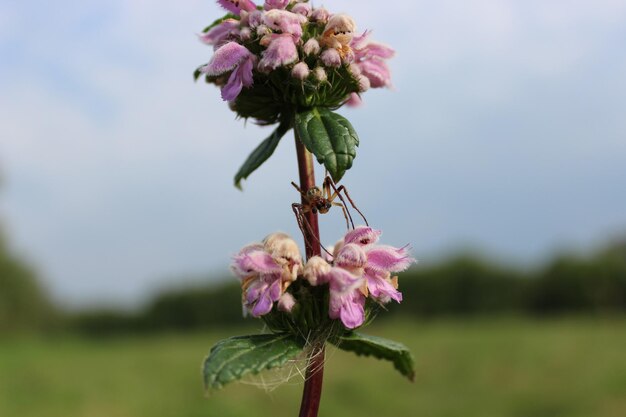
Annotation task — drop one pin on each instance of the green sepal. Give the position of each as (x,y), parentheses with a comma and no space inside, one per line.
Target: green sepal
(330,137)
(261,153)
(232,359)
(365,345)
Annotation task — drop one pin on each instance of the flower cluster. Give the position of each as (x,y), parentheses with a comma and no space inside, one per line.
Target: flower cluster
(286,53)
(357,270)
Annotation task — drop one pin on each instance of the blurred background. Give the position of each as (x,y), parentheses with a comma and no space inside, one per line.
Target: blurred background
(499,155)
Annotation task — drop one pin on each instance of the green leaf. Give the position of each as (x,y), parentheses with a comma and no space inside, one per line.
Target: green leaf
(261,153)
(380,348)
(233,358)
(330,137)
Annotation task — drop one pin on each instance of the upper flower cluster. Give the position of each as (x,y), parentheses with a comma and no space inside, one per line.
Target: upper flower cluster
(286,53)
(358,269)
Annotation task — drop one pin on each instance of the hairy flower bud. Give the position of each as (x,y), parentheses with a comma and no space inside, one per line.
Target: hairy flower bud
(300,71)
(331,58)
(320,15)
(319,74)
(315,270)
(311,47)
(303,9)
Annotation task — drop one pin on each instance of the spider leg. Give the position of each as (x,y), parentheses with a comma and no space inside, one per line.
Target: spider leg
(345,213)
(298,188)
(345,191)
(298,211)
(328,183)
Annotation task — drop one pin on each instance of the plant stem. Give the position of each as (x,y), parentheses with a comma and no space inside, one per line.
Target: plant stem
(312,392)
(306,170)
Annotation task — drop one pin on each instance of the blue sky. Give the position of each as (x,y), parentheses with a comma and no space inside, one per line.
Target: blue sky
(504,132)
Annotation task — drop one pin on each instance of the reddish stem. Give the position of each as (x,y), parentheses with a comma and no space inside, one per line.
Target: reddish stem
(312,392)
(306,169)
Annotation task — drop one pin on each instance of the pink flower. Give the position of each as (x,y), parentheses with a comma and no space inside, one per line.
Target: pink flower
(370,56)
(285,22)
(236,58)
(346,301)
(381,262)
(266,270)
(221,33)
(377,72)
(280,51)
(236,6)
(275,4)
(362,236)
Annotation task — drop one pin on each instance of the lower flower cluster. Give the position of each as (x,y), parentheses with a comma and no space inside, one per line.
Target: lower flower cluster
(355,269)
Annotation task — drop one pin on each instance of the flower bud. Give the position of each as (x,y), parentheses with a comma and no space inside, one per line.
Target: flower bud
(245,34)
(300,71)
(364,83)
(320,15)
(331,58)
(315,270)
(303,9)
(311,47)
(320,74)
(286,302)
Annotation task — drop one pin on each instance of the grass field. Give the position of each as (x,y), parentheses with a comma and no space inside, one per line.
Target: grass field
(482,368)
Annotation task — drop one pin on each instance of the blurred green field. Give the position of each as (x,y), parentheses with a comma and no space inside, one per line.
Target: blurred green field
(482,368)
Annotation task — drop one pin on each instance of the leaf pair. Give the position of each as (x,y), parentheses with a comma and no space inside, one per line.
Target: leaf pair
(328,135)
(231,359)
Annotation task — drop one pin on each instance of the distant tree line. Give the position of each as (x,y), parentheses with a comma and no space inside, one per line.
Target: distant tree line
(460,286)
(24,305)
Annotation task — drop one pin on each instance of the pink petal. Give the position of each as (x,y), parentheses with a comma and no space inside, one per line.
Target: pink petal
(352,314)
(362,235)
(285,22)
(275,4)
(220,33)
(360,41)
(388,258)
(354,100)
(351,256)
(342,281)
(254,291)
(281,51)
(236,6)
(378,50)
(380,288)
(233,87)
(263,305)
(348,307)
(255,262)
(377,72)
(226,58)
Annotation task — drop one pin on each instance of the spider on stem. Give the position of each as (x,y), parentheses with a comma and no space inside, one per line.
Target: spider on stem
(321,200)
